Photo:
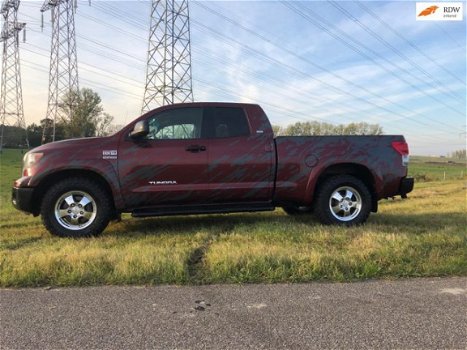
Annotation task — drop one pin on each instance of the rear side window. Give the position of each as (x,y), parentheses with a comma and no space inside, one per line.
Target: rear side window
(227,122)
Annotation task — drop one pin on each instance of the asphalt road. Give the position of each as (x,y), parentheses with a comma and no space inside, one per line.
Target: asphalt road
(416,313)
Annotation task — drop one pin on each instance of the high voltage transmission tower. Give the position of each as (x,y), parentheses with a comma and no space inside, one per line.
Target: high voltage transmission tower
(63,76)
(11,104)
(168,74)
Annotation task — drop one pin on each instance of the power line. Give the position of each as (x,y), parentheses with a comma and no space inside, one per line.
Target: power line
(282,47)
(121,16)
(434,82)
(168,74)
(330,86)
(254,32)
(134,21)
(346,39)
(11,101)
(217,59)
(98,44)
(63,75)
(409,42)
(127,19)
(283,111)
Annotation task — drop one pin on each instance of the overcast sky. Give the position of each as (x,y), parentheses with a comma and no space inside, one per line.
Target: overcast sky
(314,60)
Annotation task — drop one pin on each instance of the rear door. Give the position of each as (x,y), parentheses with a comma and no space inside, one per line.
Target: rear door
(169,166)
(240,162)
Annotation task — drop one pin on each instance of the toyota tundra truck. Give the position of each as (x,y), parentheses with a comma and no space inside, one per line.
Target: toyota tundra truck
(204,158)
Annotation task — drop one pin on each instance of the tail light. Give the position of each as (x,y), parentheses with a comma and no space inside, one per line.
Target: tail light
(402,148)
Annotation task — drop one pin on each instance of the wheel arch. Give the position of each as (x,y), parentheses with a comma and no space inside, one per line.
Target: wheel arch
(360,171)
(57,176)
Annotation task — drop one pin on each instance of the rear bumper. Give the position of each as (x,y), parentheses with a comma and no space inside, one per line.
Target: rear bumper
(406,186)
(21,198)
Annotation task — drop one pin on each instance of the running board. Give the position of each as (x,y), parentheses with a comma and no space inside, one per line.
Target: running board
(202,209)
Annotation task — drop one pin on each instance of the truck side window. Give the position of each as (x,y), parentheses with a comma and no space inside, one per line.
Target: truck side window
(228,122)
(176,124)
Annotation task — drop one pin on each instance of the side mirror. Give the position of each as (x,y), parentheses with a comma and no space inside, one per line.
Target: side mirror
(141,129)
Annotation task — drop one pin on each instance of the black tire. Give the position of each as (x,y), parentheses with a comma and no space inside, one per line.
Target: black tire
(295,211)
(90,208)
(352,209)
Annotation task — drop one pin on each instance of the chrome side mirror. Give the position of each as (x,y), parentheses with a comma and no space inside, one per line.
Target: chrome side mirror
(141,129)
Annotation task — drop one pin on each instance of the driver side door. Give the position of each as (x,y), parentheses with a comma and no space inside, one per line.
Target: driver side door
(169,165)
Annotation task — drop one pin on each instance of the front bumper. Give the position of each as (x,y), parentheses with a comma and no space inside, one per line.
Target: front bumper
(406,186)
(22,198)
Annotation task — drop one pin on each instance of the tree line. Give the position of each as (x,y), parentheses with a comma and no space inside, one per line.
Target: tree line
(89,120)
(82,116)
(313,128)
(459,154)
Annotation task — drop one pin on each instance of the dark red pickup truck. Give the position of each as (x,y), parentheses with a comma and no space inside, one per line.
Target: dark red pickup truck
(208,158)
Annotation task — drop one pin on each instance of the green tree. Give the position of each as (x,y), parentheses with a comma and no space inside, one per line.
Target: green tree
(34,135)
(13,136)
(82,111)
(104,125)
(278,130)
(48,123)
(362,129)
(459,154)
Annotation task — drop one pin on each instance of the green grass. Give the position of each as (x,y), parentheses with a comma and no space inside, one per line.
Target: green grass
(422,236)
(436,169)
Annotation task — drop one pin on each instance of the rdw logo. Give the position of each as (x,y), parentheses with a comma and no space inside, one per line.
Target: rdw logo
(428,11)
(439,11)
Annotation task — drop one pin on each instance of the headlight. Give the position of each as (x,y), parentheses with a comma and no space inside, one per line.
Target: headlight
(30,159)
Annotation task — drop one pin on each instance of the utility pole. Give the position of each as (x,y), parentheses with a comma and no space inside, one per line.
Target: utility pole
(11,104)
(63,76)
(168,72)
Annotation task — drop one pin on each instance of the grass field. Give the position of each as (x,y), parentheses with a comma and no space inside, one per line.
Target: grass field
(436,169)
(422,236)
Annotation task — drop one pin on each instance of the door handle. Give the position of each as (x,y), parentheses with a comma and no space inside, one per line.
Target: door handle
(195,148)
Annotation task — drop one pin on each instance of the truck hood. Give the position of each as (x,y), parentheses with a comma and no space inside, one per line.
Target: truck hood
(84,143)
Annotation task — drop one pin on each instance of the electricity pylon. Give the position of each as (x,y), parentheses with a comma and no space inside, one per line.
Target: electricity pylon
(168,72)
(11,104)
(63,76)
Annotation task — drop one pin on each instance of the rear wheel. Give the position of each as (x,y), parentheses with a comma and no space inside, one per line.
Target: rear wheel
(343,200)
(76,207)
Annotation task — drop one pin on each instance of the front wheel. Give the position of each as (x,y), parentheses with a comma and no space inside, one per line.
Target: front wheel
(343,200)
(76,207)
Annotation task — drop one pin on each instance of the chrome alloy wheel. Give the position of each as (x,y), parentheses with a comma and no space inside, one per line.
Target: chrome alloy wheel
(75,210)
(345,203)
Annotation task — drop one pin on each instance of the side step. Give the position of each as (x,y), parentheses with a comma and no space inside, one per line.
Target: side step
(202,209)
